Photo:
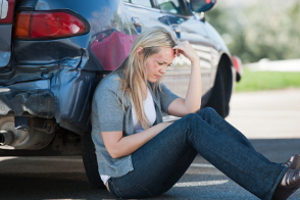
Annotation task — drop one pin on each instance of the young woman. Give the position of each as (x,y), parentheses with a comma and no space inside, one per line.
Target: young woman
(141,156)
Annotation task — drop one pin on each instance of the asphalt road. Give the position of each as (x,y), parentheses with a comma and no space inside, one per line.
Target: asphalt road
(63,178)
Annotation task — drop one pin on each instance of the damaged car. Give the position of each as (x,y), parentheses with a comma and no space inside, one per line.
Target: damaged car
(53,53)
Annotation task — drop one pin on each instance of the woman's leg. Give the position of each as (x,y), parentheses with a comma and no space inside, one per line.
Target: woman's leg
(215,120)
(158,165)
(230,151)
(161,158)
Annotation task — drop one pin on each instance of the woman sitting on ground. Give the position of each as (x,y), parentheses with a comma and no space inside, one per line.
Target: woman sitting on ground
(141,156)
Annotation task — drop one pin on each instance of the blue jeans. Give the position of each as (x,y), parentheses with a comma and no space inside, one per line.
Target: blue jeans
(163,160)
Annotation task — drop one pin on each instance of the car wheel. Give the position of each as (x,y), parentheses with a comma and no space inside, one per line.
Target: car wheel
(90,162)
(221,92)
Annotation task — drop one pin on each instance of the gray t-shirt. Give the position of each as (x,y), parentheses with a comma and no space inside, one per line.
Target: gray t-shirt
(108,114)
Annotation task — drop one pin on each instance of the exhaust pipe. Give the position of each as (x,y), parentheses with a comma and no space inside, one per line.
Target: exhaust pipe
(25,133)
(6,137)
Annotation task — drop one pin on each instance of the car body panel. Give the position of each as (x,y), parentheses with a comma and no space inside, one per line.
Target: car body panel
(56,78)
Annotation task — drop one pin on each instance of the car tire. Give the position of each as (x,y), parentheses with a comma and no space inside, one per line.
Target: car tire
(221,92)
(90,162)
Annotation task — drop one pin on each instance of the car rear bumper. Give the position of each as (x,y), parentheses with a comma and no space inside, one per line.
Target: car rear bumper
(36,100)
(65,96)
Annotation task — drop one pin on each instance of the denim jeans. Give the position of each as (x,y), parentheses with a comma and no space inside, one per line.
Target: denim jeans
(163,160)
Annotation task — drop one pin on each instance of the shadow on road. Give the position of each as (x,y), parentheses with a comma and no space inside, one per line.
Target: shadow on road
(64,178)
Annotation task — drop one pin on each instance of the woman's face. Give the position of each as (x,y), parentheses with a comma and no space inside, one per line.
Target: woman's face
(157,64)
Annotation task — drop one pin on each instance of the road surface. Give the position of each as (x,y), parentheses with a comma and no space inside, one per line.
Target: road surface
(270,119)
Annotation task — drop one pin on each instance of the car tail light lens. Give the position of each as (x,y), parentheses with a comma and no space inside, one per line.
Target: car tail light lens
(236,63)
(238,66)
(49,25)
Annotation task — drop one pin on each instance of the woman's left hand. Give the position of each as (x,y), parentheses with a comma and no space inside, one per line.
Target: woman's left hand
(186,49)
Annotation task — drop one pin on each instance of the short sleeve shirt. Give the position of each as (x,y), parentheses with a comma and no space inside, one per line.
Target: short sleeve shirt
(109,114)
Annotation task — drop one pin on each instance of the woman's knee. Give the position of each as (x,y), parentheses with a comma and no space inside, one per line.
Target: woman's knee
(192,120)
(191,117)
(207,111)
(186,123)
(209,114)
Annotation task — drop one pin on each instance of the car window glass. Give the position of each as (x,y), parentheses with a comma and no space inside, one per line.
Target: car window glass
(172,6)
(145,3)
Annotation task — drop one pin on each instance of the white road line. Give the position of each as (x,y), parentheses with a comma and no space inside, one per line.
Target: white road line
(200,183)
(202,165)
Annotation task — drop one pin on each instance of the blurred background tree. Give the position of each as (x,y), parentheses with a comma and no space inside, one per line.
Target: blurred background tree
(261,29)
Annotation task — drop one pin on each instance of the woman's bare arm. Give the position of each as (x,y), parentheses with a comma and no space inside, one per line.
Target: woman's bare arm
(192,101)
(119,146)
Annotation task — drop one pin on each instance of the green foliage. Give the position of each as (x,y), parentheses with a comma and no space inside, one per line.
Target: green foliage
(266,80)
(263,30)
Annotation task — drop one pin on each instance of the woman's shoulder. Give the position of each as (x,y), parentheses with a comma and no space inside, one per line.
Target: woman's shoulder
(110,81)
(108,87)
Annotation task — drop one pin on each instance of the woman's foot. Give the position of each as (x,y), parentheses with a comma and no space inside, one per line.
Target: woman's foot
(293,162)
(288,185)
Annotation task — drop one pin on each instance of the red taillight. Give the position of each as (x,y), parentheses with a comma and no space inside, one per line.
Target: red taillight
(236,63)
(238,67)
(49,25)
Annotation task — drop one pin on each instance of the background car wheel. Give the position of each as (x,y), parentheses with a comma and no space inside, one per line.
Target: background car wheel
(221,92)
(90,162)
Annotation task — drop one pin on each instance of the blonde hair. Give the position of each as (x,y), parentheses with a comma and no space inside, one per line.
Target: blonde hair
(134,70)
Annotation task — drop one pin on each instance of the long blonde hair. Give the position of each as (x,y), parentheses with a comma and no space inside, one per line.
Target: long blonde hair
(134,70)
